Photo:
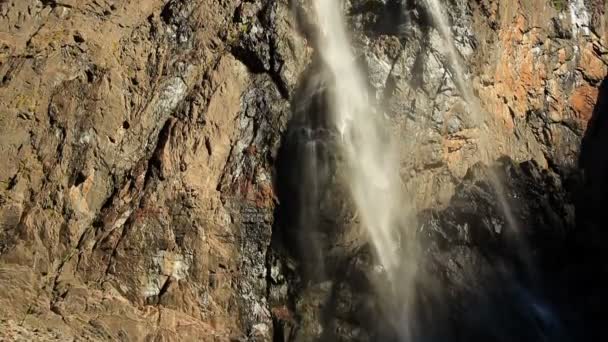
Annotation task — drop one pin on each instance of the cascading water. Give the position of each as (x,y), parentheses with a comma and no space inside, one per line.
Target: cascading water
(373,166)
(372,163)
(439,18)
(458,76)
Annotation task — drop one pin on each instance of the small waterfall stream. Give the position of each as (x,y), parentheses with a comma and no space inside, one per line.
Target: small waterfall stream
(439,17)
(514,230)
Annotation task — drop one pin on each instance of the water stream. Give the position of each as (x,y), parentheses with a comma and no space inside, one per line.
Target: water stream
(372,163)
(439,17)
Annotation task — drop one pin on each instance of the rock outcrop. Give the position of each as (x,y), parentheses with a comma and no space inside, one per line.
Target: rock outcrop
(153,179)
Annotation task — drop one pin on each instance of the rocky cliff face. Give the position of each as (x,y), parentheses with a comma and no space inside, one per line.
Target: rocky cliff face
(152,182)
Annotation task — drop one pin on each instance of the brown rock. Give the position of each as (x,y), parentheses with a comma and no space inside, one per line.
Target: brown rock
(592,66)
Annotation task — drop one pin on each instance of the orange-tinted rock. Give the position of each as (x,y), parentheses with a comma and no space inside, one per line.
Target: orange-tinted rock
(592,65)
(582,102)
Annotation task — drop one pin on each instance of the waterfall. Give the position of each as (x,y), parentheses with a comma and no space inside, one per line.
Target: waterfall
(458,76)
(372,167)
(371,158)
(514,231)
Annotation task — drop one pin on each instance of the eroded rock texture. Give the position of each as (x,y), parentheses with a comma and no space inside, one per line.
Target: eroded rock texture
(154,154)
(137,197)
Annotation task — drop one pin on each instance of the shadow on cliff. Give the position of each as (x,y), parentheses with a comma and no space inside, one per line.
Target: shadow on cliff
(302,171)
(585,276)
(570,254)
(593,161)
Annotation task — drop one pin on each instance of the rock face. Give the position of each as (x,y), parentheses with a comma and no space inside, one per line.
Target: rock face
(137,197)
(155,178)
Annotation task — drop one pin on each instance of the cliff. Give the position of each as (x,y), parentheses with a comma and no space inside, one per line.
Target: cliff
(152,175)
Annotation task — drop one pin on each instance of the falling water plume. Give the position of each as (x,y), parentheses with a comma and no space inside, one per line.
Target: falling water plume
(372,164)
(458,75)
(371,159)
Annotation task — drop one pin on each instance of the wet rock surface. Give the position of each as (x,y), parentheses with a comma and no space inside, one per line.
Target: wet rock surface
(155,182)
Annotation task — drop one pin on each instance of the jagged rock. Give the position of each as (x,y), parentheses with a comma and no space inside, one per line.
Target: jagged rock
(140,185)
